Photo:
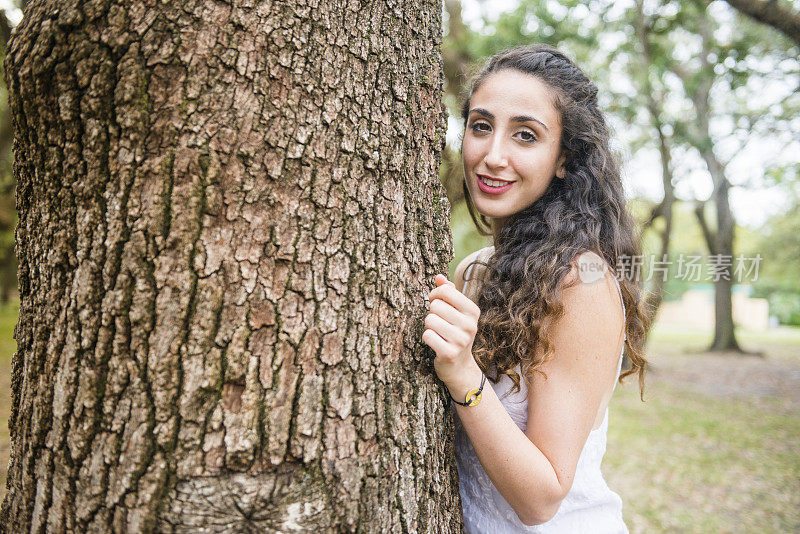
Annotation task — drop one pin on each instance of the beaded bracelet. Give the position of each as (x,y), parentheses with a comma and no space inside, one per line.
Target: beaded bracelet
(473,395)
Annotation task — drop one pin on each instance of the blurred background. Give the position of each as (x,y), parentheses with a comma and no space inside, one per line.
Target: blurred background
(702,98)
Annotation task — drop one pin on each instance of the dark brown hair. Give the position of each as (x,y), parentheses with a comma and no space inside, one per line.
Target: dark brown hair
(520,293)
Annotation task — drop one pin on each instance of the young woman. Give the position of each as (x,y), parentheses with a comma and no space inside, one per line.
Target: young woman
(547,311)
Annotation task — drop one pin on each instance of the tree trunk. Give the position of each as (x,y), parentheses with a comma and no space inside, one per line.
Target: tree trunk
(719,242)
(229,217)
(664,210)
(722,239)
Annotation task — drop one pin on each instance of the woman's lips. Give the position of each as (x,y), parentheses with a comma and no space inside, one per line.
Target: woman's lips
(492,190)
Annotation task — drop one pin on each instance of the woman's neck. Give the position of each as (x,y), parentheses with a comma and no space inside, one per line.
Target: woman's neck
(497,225)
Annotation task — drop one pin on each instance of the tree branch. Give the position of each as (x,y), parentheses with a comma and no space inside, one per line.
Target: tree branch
(699,211)
(655,213)
(772,14)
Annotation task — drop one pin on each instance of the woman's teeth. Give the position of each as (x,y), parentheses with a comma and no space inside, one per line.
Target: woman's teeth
(492,183)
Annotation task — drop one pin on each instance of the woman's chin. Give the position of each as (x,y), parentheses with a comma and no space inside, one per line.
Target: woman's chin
(492,213)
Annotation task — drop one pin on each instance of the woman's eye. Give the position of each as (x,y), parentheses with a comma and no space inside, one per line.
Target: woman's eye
(477,127)
(527,136)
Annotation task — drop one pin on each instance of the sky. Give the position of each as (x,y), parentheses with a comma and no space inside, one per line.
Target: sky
(12,13)
(642,171)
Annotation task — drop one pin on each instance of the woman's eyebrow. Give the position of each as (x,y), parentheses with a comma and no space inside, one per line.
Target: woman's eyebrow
(526,118)
(516,118)
(483,112)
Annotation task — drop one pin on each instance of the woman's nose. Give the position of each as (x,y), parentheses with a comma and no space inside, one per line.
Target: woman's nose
(496,157)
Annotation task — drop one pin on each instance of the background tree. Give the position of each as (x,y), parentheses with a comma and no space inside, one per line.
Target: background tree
(639,56)
(229,215)
(718,81)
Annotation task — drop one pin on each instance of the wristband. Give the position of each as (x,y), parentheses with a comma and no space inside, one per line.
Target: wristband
(473,395)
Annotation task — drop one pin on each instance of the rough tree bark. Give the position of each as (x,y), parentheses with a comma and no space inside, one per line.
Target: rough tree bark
(229,219)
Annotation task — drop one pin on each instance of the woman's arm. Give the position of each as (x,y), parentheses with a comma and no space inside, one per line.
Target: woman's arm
(516,467)
(533,470)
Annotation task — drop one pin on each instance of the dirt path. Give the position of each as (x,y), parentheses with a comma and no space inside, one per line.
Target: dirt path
(731,375)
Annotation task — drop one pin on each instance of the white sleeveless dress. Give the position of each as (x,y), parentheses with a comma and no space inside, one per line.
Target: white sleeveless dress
(590,506)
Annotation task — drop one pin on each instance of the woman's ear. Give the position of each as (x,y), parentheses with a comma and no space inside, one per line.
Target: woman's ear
(561,170)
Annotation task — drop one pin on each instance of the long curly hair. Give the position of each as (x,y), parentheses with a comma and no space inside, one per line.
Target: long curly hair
(523,280)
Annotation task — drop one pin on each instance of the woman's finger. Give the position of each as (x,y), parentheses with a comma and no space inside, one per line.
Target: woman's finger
(447,312)
(449,332)
(440,279)
(434,341)
(456,299)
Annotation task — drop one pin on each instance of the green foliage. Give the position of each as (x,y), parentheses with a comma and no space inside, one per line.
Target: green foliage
(778,281)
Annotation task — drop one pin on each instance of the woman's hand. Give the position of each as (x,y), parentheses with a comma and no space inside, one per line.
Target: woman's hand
(450,331)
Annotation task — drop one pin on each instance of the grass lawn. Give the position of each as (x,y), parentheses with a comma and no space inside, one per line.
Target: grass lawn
(683,461)
(686,462)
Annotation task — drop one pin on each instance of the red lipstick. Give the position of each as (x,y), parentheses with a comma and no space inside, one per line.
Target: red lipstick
(488,188)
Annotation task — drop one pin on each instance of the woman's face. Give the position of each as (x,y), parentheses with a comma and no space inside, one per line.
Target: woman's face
(513,139)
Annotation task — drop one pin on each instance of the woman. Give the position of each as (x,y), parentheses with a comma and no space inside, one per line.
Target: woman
(541,313)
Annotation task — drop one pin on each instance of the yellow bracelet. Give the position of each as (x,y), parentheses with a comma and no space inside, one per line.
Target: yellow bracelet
(473,396)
